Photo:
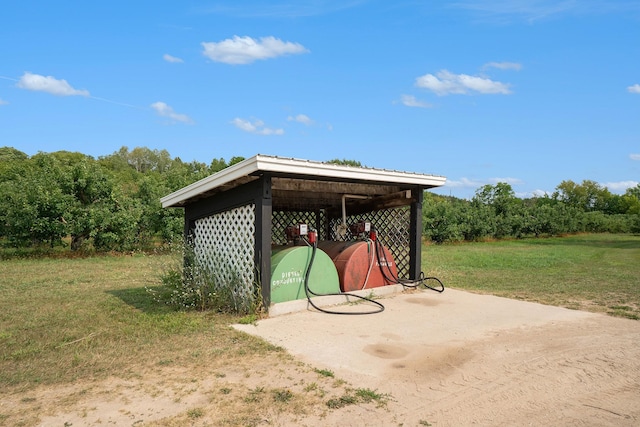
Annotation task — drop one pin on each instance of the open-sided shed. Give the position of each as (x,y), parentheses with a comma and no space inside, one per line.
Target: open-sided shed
(237,215)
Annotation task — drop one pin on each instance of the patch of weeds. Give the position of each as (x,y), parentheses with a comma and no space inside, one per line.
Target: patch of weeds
(311,387)
(424,423)
(317,390)
(342,401)
(165,362)
(626,314)
(366,395)
(255,395)
(195,413)
(324,372)
(220,375)
(28,399)
(339,383)
(205,281)
(621,307)
(282,395)
(362,395)
(248,421)
(623,311)
(249,319)
(225,390)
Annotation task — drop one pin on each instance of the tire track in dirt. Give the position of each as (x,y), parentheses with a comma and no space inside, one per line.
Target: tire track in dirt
(560,374)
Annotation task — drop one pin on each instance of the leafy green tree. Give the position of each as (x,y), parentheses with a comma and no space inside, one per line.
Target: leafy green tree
(92,190)
(588,196)
(10,154)
(345,162)
(630,201)
(506,208)
(217,165)
(33,206)
(235,159)
(442,218)
(500,197)
(478,220)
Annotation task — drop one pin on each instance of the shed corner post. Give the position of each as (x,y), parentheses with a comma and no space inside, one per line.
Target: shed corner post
(263,239)
(415,238)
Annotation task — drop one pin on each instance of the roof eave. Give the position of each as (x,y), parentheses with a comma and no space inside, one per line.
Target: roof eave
(301,168)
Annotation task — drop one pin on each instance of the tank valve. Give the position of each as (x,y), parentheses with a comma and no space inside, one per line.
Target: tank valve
(361,229)
(293,232)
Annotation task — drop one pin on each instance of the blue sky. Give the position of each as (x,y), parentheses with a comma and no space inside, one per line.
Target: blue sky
(529,92)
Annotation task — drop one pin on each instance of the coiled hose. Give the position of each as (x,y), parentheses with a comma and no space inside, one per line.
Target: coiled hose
(407,283)
(378,309)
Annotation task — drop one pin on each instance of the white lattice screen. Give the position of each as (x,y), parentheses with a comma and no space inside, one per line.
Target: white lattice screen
(224,243)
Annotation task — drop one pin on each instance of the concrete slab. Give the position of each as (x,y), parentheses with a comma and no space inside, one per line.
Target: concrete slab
(459,358)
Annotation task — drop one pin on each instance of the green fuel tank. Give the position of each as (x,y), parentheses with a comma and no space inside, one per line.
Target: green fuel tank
(288,268)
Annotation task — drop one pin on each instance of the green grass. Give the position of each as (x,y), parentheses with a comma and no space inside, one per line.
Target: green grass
(595,272)
(65,319)
(89,318)
(361,395)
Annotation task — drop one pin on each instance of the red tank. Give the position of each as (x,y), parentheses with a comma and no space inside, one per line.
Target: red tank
(358,266)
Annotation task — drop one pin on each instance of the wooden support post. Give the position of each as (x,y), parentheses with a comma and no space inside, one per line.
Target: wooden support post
(415,238)
(263,239)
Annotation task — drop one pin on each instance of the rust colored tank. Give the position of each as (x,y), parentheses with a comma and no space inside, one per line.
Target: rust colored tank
(353,260)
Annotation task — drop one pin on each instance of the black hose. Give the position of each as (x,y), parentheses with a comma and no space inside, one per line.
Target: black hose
(309,292)
(407,283)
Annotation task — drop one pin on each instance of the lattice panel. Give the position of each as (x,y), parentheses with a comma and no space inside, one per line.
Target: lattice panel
(282,219)
(393,227)
(224,243)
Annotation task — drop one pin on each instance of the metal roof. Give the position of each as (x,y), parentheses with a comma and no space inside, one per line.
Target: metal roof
(249,169)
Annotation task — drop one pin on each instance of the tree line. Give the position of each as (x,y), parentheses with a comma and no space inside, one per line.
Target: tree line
(496,213)
(112,203)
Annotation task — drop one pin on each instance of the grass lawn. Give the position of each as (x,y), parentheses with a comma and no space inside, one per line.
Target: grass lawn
(594,272)
(63,320)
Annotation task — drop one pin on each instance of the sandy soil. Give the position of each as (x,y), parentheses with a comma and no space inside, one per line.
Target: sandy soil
(458,358)
(450,359)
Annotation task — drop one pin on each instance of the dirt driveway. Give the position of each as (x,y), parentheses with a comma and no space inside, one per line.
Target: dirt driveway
(459,358)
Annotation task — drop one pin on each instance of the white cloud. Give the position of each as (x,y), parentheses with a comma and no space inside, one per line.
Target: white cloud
(540,193)
(634,89)
(532,194)
(257,127)
(503,66)
(634,156)
(3,102)
(245,50)
(173,59)
(446,83)
(510,181)
(301,118)
(166,111)
(463,183)
(411,101)
(48,84)
(475,184)
(620,187)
